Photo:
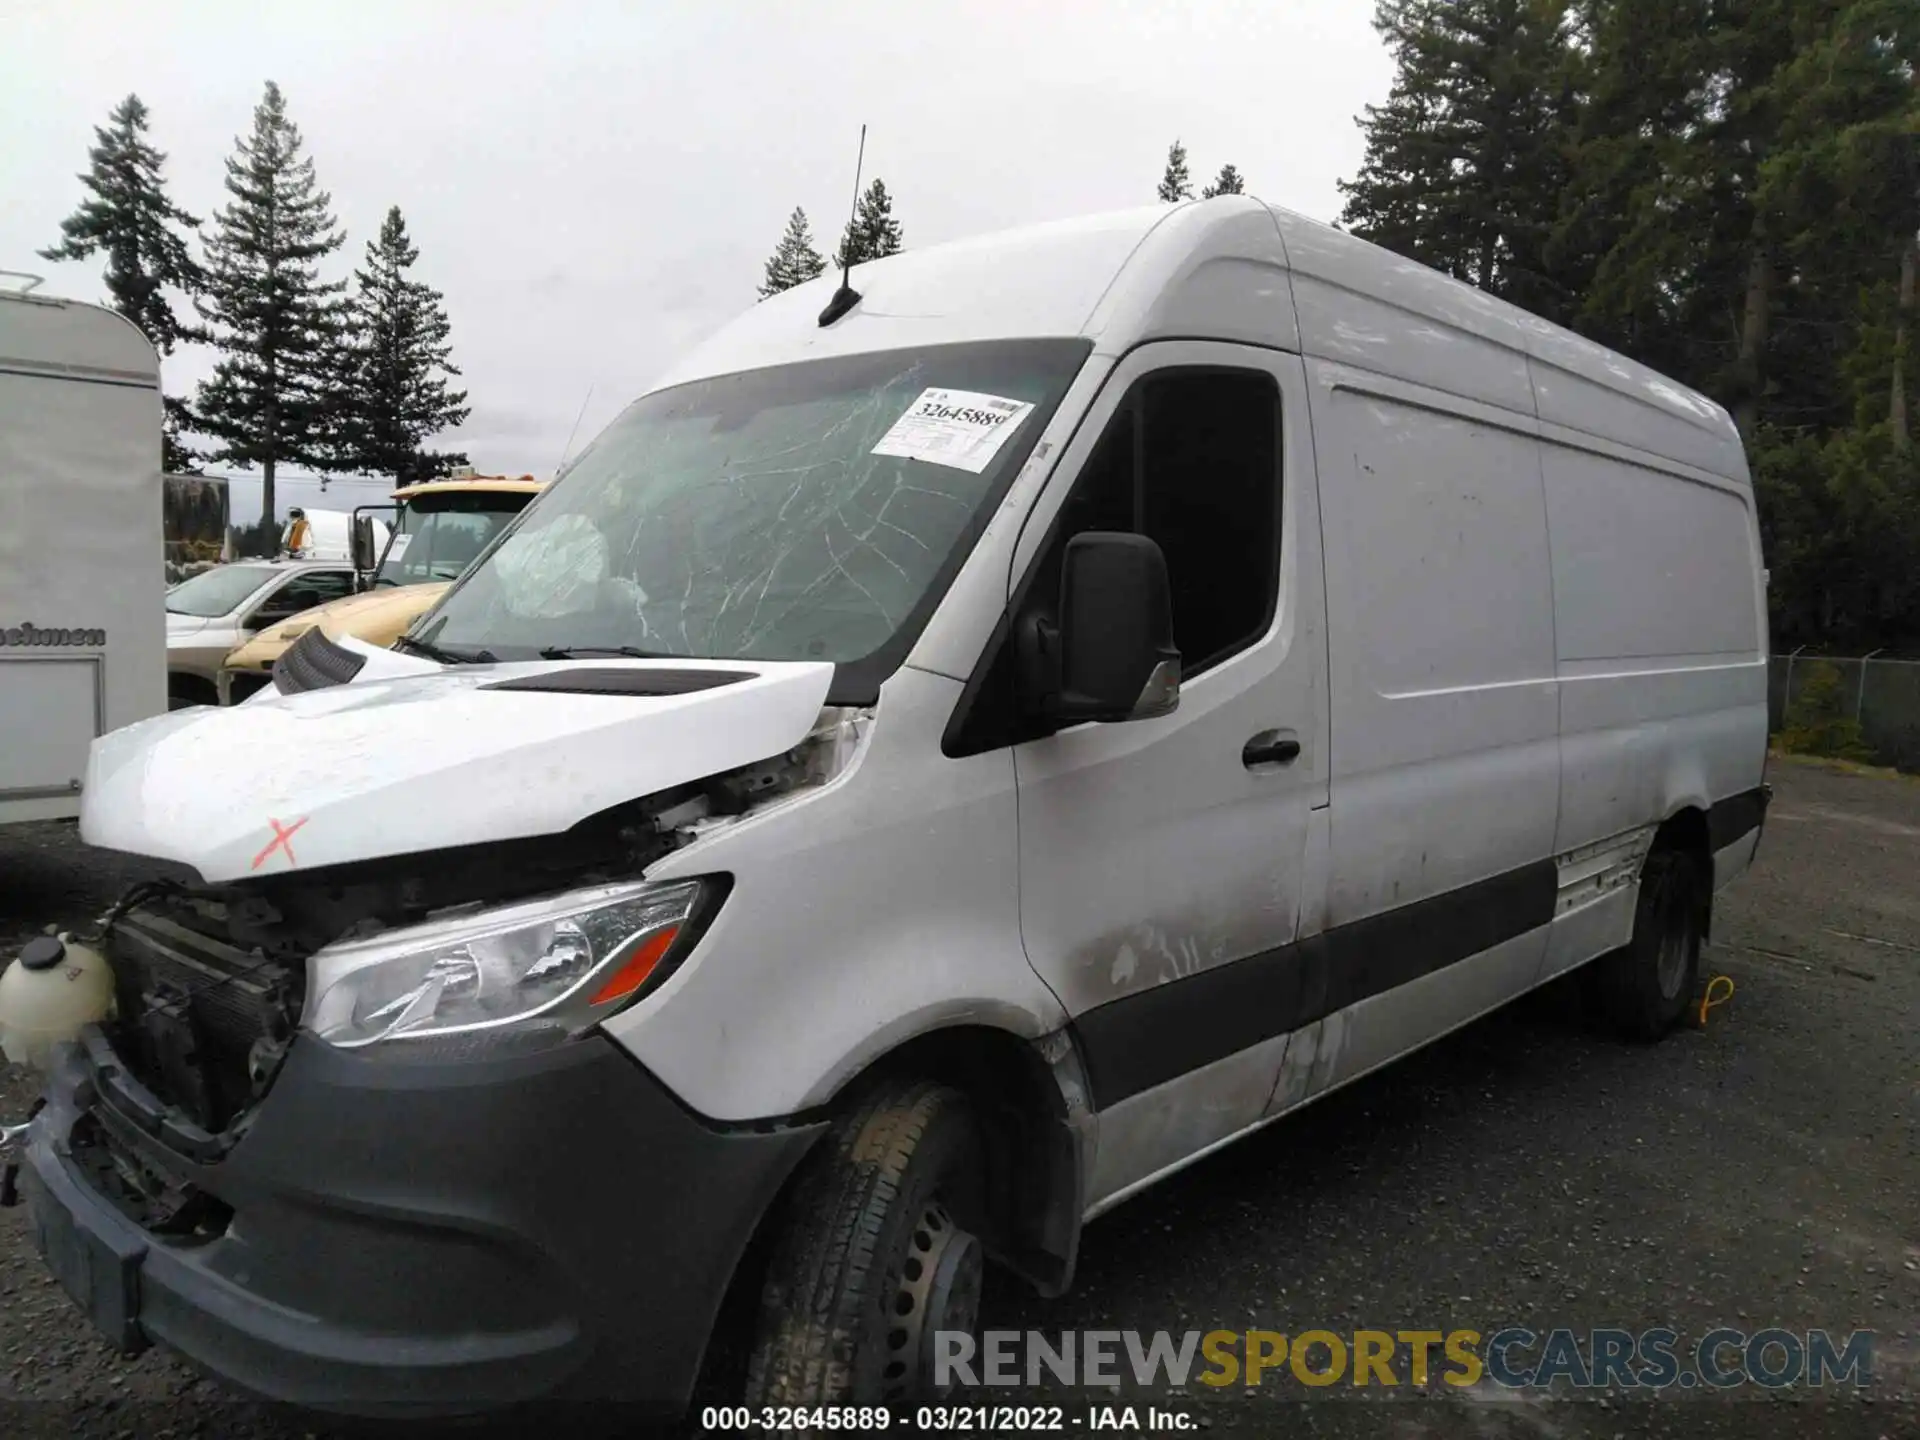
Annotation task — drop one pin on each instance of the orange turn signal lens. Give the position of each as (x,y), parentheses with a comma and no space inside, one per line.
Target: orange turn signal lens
(632,975)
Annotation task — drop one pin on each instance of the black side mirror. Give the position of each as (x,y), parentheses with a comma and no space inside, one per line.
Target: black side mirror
(1112,655)
(360,545)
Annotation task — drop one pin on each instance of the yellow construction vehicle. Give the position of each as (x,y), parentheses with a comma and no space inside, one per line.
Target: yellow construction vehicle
(440,526)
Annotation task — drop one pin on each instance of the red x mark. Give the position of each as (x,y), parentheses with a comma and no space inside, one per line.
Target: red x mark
(282,834)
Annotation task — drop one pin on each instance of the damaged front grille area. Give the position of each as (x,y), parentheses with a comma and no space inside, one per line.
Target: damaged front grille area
(199,1028)
(202,1024)
(141,1183)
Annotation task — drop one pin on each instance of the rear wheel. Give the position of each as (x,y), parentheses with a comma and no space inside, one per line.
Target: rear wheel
(872,1264)
(1644,988)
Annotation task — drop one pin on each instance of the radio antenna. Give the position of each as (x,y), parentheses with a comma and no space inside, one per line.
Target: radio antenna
(573,432)
(846,297)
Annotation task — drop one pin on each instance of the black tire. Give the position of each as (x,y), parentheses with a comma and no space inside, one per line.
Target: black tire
(1643,989)
(869,1261)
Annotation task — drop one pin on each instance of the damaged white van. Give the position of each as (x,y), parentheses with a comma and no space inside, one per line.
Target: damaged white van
(938,764)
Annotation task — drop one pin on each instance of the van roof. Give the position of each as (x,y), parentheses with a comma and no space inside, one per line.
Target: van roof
(1235,268)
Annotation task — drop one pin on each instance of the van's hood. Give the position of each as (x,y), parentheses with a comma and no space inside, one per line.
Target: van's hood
(377,616)
(185,624)
(423,762)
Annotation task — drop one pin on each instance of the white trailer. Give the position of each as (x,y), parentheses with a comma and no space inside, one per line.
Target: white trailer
(83,640)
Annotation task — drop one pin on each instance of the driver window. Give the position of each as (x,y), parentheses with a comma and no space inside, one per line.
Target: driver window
(1191,460)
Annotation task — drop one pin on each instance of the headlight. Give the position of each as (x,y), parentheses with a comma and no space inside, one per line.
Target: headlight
(561,964)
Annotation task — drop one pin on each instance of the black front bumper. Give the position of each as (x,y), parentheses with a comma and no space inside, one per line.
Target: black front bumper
(428,1238)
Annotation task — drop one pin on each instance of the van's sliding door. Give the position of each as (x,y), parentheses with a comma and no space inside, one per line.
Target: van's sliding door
(1446,755)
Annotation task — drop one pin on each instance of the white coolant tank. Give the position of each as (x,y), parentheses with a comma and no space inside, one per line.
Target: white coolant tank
(55,987)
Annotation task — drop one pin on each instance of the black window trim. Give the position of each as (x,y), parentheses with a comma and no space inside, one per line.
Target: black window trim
(960,738)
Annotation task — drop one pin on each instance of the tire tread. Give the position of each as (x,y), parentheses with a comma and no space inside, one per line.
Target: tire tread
(822,1268)
(1625,986)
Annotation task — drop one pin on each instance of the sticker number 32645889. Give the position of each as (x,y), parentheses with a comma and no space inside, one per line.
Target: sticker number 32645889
(961,428)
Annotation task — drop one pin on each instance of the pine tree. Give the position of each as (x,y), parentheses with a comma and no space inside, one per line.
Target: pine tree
(1463,166)
(1174,183)
(277,324)
(130,219)
(395,365)
(1903,337)
(1228,182)
(873,233)
(1841,189)
(1645,84)
(794,260)
(1727,190)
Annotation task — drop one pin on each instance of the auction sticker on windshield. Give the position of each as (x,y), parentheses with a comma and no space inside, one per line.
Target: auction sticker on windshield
(960,428)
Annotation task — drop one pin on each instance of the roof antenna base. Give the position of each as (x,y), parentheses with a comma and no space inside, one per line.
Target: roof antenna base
(846,297)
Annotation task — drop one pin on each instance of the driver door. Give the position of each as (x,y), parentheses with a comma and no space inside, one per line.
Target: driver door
(1163,862)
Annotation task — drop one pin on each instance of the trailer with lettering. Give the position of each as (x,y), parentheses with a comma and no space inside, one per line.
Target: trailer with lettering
(82,628)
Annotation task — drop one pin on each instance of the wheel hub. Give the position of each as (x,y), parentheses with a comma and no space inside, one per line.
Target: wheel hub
(1676,936)
(939,1290)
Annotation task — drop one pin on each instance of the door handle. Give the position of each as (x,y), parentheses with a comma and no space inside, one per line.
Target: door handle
(1270,748)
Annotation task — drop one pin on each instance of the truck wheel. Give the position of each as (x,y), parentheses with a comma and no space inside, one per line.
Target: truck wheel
(1644,988)
(870,1263)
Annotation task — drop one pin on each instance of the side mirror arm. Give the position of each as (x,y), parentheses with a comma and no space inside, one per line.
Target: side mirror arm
(1038,646)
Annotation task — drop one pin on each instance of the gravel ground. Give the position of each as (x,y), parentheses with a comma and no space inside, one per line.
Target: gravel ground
(1764,1171)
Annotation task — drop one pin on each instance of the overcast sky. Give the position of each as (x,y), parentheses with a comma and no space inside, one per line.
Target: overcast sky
(595,186)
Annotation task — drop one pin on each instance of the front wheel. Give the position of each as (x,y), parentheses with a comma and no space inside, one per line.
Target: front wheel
(1644,988)
(872,1265)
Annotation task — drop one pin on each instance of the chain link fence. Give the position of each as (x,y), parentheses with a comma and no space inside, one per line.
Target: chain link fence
(1883,696)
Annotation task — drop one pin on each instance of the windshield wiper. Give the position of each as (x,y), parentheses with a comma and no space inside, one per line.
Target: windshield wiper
(574,652)
(445,657)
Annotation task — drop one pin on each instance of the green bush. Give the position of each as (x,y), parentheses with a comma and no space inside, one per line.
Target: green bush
(1819,719)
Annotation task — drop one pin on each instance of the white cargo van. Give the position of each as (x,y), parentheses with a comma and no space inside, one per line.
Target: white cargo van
(82,565)
(938,764)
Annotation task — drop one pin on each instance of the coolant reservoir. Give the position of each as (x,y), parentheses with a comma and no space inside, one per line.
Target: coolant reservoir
(55,987)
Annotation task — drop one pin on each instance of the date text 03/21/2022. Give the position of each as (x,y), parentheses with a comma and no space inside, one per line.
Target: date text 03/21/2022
(774,1419)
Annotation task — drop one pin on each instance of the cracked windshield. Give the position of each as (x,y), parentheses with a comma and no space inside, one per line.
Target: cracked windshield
(801,512)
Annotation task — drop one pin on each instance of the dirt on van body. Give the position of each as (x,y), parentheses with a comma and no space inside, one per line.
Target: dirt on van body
(1761,1172)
